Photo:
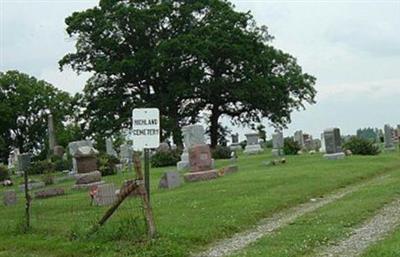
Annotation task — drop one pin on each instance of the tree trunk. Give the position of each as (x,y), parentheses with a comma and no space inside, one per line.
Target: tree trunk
(215,114)
(177,135)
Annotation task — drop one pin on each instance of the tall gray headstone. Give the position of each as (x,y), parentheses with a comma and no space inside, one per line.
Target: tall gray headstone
(388,135)
(277,143)
(333,144)
(323,147)
(299,138)
(253,145)
(192,135)
(126,154)
(110,149)
(73,148)
(52,138)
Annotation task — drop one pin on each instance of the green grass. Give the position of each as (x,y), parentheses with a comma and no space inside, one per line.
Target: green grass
(388,247)
(309,233)
(188,218)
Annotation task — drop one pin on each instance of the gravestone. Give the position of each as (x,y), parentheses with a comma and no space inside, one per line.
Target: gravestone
(13,158)
(88,180)
(10,198)
(110,149)
(308,143)
(58,151)
(32,186)
(200,164)
(24,162)
(86,159)
(52,138)
(126,154)
(333,143)
(316,144)
(388,135)
(73,147)
(170,180)
(235,145)
(277,143)
(105,195)
(47,193)
(252,146)
(299,138)
(323,147)
(192,135)
(163,147)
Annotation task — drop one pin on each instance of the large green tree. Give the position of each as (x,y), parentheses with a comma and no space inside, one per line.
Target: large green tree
(182,57)
(25,103)
(136,53)
(245,78)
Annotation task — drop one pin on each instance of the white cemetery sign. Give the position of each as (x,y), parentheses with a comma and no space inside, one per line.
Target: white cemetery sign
(145,128)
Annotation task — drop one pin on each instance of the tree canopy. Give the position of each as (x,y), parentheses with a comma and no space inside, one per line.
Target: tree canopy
(183,57)
(25,103)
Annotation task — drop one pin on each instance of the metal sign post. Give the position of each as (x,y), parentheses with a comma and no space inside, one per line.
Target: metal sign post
(146,136)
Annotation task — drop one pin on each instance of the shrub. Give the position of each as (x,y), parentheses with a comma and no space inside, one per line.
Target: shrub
(165,158)
(41,167)
(291,147)
(361,146)
(48,179)
(4,173)
(108,165)
(221,152)
(243,144)
(60,164)
(267,144)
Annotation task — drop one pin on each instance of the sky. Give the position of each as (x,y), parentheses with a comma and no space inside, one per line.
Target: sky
(351,47)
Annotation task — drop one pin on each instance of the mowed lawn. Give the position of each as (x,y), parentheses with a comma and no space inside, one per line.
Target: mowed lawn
(188,218)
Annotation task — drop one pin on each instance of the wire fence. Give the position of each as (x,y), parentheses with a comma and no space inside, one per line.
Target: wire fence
(70,213)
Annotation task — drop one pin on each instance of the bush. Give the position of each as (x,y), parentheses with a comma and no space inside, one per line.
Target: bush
(60,164)
(4,173)
(221,152)
(243,144)
(108,165)
(361,146)
(41,167)
(291,147)
(165,158)
(48,179)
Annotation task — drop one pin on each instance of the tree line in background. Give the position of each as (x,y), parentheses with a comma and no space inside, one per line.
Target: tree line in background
(191,59)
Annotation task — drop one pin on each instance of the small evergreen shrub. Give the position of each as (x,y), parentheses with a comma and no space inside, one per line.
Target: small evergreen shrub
(4,174)
(165,158)
(41,167)
(108,165)
(60,164)
(48,179)
(361,146)
(221,152)
(291,147)
(243,144)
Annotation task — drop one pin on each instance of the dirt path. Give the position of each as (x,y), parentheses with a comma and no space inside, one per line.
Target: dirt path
(278,220)
(367,234)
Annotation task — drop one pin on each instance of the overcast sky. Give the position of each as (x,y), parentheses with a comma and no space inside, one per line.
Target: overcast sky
(351,47)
